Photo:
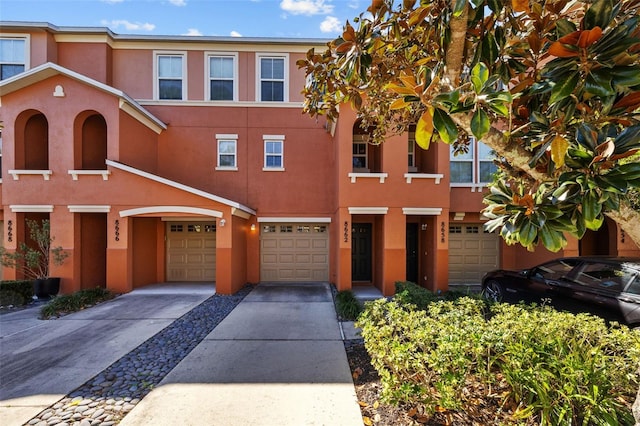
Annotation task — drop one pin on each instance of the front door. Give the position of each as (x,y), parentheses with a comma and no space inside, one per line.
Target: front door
(412,252)
(361,252)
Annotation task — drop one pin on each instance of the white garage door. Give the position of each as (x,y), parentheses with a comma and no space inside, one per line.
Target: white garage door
(295,252)
(472,253)
(191,251)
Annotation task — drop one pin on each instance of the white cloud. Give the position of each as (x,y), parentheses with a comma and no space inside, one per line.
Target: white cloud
(193,32)
(178,2)
(331,24)
(129,26)
(235,34)
(306,7)
(112,1)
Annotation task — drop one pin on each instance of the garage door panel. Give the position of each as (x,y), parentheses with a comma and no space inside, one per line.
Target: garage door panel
(294,252)
(472,253)
(191,251)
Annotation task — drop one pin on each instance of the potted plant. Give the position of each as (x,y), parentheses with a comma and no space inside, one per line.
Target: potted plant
(34,261)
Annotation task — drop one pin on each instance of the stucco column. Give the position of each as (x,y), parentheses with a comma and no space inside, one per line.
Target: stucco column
(442,252)
(13,231)
(119,253)
(342,233)
(395,250)
(224,255)
(64,227)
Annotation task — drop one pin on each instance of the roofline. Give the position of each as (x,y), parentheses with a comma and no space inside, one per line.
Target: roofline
(180,186)
(46,26)
(134,107)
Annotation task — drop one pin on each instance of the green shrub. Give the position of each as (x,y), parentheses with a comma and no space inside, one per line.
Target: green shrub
(347,306)
(18,292)
(553,367)
(411,293)
(74,302)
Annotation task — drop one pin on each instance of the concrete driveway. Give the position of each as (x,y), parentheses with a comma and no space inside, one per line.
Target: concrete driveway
(42,361)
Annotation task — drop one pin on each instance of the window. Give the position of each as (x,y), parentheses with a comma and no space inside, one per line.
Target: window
(222,72)
(227,152)
(273,152)
(273,79)
(474,167)
(412,153)
(13,57)
(360,153)
(170,72)
(486,165)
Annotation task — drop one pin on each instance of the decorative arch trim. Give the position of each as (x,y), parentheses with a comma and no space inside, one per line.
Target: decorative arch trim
(170,209)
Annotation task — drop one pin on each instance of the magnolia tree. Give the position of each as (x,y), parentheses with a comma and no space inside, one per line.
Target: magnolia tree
(552,87)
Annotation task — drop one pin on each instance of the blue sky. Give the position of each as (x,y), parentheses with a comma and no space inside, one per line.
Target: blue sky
(242,18)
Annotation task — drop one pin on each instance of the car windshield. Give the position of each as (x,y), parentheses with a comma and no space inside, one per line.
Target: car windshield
(554,270)
(605,276)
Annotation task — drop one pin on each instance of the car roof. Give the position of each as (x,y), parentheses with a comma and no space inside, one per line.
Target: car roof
(631,261)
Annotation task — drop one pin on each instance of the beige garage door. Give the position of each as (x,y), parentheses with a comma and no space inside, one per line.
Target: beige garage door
(191,251)
(472,253)
(296,252)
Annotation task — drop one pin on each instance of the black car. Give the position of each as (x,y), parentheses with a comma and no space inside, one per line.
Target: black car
(605,286)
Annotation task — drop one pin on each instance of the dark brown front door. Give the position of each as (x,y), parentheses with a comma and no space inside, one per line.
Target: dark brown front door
(412,252)
(361,252)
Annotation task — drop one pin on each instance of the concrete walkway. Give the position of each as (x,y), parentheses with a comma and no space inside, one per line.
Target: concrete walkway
(277,359)
(42,361)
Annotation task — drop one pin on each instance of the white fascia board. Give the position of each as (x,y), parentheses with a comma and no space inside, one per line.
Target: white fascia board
(180,186)
(294,220)
(422,211)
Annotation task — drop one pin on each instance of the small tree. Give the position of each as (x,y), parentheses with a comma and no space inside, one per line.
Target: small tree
(34,262)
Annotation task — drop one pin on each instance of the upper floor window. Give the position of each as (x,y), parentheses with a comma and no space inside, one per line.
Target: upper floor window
(360,153)
(222,77)
(227,152)
(273,152)
(473,167)
(272,86)
(170,76)
(13,57)
(411,156)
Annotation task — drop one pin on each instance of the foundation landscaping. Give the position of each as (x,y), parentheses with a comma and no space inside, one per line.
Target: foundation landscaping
(456,359)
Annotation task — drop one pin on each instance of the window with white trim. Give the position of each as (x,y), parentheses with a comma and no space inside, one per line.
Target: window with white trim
(273,152)
(227,152)
(474,167)
(360,153)
(222,85)
(272,73)
(411,153)
(13,56)
(170,76)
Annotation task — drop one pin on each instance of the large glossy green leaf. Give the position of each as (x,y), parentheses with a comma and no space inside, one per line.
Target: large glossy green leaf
(495,5)
(479,76)
(591,206)
(563,89)
(551,239)
(445,126)
(528,233)
(480,124)
(600,83)
(599,14)
(489,49)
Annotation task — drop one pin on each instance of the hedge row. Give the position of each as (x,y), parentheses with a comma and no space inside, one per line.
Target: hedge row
(16,293)
(539,364)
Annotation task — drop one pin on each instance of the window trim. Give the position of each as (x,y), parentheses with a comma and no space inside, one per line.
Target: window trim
(268,55)
(226,138)
(156,77)
(475,161)
(27,47)
(207,74)
(360,140)
(273,138)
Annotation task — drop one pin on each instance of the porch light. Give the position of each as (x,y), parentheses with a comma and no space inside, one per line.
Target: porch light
(222,222)
(253,226)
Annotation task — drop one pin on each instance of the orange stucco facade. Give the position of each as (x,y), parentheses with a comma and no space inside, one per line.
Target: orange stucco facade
(140,188)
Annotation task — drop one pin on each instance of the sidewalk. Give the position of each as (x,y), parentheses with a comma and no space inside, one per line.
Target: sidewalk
(277,359)
(42,361)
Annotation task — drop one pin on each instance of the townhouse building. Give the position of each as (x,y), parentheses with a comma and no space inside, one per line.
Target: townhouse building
(179,158)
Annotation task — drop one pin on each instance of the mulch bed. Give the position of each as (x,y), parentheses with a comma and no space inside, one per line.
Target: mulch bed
(482,412)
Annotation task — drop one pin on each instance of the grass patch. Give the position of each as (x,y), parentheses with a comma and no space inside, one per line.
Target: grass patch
(66,304)
(347,306)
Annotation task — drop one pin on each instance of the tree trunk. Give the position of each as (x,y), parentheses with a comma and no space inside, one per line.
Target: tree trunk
(627,219)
